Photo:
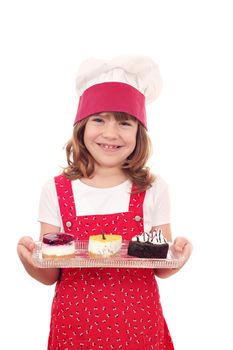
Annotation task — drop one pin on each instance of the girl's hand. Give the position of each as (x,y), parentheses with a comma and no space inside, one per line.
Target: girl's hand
(46,276)
(183,247)
(25,248)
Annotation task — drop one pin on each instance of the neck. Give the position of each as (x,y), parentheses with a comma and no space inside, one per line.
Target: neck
(104,178)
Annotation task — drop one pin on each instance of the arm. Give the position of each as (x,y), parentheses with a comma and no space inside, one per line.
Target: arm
(180,246)
(25,247)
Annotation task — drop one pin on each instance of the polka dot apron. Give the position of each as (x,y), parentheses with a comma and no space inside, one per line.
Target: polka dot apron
(105,308)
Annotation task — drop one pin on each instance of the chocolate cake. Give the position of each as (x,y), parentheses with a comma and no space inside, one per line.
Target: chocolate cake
(149,245)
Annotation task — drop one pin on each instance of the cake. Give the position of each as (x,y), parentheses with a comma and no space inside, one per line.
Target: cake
(104,245)
(58,246)
(149,245)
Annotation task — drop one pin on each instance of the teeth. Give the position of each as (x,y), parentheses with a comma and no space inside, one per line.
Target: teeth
(109,146)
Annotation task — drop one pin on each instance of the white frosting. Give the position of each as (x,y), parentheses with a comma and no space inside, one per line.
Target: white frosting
(58,250)
(155,237)
(104,249)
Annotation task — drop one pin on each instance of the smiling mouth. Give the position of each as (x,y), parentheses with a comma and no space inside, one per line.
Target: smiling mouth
(108,147)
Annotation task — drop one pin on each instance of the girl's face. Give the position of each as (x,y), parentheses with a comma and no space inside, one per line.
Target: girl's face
(108,140)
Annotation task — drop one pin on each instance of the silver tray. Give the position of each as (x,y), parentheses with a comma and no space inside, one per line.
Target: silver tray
(119,260)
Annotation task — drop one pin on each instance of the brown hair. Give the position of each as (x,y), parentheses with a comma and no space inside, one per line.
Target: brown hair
(81,163)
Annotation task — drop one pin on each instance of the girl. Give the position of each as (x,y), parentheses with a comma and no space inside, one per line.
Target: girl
(107,187)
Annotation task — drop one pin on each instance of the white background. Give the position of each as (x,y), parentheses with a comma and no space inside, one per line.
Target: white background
(42,44)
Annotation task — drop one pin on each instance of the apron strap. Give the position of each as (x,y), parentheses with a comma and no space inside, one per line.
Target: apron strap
(66,201)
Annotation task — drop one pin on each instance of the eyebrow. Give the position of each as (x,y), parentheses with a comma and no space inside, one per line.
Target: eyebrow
(120,118)
(103,114)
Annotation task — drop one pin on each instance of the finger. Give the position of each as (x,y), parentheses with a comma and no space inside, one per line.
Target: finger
(25,248)
(25,255)
(180,243)
(187,251)
(27,242)
(176,250)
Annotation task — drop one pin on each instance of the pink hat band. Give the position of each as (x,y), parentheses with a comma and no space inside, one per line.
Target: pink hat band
(112,97)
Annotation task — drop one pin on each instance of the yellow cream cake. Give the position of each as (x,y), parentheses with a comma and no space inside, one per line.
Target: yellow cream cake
(104,245)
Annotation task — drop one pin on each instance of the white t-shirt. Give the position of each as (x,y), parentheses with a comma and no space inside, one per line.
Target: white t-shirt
(93,201)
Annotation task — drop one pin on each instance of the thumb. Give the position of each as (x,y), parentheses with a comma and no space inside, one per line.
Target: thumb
(178,244)
(27,243)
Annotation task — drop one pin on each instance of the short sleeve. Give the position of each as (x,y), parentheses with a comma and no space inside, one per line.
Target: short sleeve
(157,208)
(48,205)
(162,209)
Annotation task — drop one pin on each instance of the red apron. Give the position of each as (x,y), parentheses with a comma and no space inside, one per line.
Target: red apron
(105,308)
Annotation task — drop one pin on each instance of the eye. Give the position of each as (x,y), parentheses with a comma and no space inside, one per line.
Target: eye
(125,123)
(97,119)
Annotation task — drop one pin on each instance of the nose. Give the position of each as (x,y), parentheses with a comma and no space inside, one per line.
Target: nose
(110,130)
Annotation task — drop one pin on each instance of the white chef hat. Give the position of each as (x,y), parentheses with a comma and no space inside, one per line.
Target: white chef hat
(123,84)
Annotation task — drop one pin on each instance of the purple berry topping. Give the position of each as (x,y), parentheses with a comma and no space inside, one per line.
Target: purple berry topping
(57,238)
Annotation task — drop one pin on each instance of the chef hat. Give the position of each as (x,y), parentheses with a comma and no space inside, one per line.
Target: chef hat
(123,84)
